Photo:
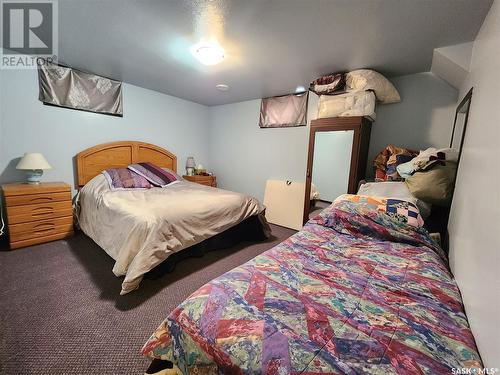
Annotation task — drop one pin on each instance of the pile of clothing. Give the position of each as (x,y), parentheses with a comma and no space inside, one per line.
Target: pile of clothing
(353,94)
(428,174)
(426,160)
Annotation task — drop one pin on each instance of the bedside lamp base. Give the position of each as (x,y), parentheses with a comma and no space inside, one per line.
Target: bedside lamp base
(34,176)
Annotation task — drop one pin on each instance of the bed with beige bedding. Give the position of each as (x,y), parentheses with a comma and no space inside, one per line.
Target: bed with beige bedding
(141,228)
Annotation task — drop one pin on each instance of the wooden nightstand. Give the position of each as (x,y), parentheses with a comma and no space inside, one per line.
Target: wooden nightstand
(204,180)
(38,213)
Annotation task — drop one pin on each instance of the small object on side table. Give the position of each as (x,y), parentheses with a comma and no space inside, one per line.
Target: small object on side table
(200,170)
(38,213)
(202,179)
(190,166)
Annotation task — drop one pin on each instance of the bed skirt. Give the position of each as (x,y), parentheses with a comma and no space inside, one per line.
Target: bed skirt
(254,228)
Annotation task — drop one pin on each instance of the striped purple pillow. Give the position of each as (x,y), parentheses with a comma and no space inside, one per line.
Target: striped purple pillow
(123,179)
(154,174)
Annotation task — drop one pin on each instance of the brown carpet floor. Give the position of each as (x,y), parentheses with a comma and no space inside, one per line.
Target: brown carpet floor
(61,312)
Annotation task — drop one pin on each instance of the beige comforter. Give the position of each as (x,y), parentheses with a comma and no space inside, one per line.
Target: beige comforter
(140,228)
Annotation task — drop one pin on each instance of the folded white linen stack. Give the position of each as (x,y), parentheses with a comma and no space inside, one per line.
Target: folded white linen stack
(363,88)
(359,103)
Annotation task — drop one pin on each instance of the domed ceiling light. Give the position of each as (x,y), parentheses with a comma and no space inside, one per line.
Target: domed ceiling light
(222,87)
(208,54)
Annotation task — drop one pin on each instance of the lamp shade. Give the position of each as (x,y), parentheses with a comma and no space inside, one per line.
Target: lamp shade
(190,163)
(33,161)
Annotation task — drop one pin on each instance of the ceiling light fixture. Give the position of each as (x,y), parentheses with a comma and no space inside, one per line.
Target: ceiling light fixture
(222,87)
(300,89)
(208,54)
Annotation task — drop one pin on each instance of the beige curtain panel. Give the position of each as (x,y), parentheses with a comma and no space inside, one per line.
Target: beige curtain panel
(284,111)
(70,88)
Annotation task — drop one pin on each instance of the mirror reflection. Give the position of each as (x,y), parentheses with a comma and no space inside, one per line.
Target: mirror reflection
(331,167)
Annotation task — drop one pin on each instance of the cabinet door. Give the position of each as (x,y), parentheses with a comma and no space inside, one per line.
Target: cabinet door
(331,163)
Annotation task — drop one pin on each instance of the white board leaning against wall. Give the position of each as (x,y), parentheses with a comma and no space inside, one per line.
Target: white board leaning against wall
(284,201)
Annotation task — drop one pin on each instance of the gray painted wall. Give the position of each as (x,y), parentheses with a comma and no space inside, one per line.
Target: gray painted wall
(424,117)
(475,211)
(178,125)
(244,157)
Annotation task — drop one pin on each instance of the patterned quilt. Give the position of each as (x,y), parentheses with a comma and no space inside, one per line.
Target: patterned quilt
(361,289)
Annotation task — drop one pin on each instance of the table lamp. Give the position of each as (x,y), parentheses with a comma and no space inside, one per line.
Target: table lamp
(33,163)
(190,166)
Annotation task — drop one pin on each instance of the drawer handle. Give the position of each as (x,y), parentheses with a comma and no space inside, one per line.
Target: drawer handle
(41,199)
(44,227)
(40,211)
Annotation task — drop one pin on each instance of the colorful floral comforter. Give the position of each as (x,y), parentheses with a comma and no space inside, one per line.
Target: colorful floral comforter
(361,289)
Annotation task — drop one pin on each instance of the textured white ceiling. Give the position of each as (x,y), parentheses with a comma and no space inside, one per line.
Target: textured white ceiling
(272,46)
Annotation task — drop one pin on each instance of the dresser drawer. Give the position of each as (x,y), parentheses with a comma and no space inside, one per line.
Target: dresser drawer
(42,228)
(32,212)
(38,240)
(205,181)
(18,200)
(202,180)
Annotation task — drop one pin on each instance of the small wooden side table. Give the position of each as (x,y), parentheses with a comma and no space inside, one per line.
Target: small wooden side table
(204,180)
(38,213)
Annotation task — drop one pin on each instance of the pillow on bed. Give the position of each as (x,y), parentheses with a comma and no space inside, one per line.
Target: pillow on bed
(177,176)
(123,178)
(154,174)
(394,189)
(434,186)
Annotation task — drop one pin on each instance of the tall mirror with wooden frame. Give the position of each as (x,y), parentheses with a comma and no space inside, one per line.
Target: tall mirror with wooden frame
(438,220)
(460,124)
(336,161)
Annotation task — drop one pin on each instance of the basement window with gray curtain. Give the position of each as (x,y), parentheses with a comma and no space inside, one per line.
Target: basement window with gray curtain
(284,111)
(70,88)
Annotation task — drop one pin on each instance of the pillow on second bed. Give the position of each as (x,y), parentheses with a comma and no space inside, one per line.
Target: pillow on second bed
(434,186)
(154,174)
(394,189)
